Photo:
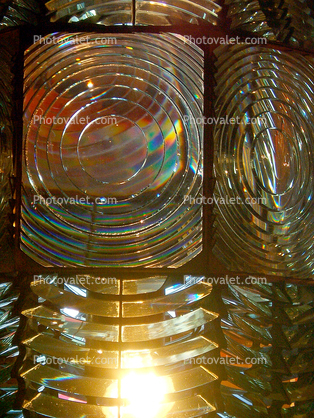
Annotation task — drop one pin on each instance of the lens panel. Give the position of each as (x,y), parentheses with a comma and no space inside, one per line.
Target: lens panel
(264,161)
(112,150)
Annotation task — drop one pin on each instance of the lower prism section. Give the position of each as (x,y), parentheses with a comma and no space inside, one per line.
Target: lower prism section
(270,345)
(139,348)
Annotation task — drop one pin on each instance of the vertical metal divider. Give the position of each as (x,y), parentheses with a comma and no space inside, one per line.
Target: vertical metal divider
(133,12)
(223,16)
(209,113)
(209,182)
(18,142)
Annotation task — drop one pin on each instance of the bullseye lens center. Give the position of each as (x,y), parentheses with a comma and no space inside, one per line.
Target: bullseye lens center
(112,149)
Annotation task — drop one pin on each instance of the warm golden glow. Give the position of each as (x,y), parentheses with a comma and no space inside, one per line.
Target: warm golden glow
(145,394)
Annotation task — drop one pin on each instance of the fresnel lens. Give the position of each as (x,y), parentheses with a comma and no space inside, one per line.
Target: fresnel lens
(145,161)
(113,177)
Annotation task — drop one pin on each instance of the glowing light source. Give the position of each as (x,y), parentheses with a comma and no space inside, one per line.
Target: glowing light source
(145,393)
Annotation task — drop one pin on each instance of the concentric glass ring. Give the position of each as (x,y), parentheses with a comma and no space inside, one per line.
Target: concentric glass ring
(112,149)
(265,160)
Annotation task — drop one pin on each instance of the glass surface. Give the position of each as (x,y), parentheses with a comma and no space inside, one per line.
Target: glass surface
(273,370)
(67,294)
(170,302)
(195,406)
(173,353)
(51,348)
(91,386)
(289,21)
(166,328)
(174,11)
(65,299)
(102,12)
(76,356)
(58,408)
(19,12)
(70,326)
(301,15)
(9,325)
(136,286)
(252,20)
(108,158)
(264,161)
(269,22)
(71,383)
(53,407)
(158,13)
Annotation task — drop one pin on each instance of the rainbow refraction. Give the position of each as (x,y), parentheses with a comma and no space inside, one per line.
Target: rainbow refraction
(112,149)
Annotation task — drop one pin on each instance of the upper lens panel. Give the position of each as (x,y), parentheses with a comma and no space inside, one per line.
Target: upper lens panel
(112,149)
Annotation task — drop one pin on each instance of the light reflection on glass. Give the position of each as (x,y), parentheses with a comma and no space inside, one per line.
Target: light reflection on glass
(264,161)
(113,12)
(108,159)
(77,361)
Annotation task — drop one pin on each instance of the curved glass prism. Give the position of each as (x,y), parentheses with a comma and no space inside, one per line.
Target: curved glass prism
(273,375)
(113,12)
(81,363)
(102,12)
(112,150)
(171,12)
(288,21)
(9,350)
(264,161)
(18,12)
(249,16)
(300,14)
